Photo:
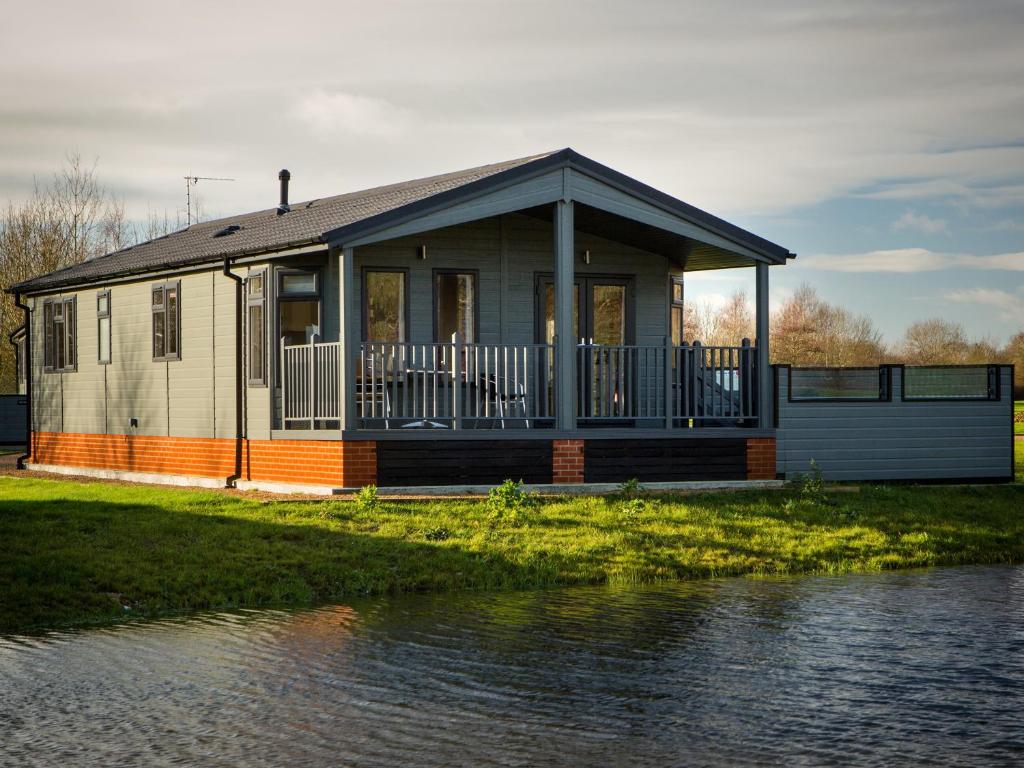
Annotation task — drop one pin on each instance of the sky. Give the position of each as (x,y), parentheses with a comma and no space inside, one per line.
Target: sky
(882,142)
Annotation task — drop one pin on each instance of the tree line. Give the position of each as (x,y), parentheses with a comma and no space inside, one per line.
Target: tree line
(806,330)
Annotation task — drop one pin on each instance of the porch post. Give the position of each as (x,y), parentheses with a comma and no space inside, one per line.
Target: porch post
(348,312)
(764,379)
(565,343)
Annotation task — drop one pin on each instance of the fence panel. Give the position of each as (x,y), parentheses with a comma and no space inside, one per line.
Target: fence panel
(954,437)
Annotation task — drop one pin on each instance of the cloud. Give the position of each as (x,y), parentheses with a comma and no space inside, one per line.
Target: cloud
(1010,306)
(797,101)
(1009,225)
(921,223)
(912,260)
(328,113)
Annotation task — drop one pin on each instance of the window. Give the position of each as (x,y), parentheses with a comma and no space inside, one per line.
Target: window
(256,314)
(951,382)
(103,326)
(455,305)
(20,361)
(384,305)
(298,282)
(839,384)
(676,310)
(166,308)
(298,306)
(59,348)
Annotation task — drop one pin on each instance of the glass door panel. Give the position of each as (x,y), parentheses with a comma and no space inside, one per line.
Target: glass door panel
(601,325)
(299,320)
(549,311)
(608,313)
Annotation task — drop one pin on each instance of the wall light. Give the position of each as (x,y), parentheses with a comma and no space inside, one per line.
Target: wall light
(586,257)
(421,252)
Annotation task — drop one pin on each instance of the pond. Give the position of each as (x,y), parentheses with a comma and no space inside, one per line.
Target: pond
(907,667)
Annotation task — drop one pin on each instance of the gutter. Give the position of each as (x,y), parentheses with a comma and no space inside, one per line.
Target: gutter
(28,379)
(130,275)
(239,371)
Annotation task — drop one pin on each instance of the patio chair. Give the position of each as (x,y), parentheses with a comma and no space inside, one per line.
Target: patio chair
(507,404)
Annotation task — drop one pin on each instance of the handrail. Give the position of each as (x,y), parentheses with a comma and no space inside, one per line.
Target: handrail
(454,385)
(676,385)
(310,383)
(459,385)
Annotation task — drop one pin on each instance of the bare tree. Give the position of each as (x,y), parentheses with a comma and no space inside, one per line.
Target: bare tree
(934,342)
(807,330)
(70,220)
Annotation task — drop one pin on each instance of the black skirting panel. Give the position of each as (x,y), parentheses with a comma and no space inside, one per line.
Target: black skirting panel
(661,461)
(462,462)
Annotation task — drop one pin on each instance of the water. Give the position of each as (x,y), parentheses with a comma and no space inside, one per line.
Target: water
(919,667)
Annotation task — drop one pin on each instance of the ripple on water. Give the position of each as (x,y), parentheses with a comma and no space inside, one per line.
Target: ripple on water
(923,666)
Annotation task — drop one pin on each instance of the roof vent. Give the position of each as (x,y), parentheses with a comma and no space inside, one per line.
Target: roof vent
(230,229)
(284,177)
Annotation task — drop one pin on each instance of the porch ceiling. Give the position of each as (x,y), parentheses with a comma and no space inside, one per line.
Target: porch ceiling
(692,255)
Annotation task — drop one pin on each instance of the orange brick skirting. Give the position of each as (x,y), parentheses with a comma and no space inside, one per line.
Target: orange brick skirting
(567,461)
(760,458)
(318,462)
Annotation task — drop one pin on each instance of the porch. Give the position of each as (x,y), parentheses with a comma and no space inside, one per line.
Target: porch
(552,302)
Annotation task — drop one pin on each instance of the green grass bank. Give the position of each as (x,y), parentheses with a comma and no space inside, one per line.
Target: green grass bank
(76,553)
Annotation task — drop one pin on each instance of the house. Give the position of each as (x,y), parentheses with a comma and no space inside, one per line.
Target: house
(515,320)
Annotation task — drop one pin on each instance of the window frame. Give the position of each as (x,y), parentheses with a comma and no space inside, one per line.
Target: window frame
(435,303)
(165,286)
(884,373)
(276,275)
(674,304)
(364,310)
(20,360)
(101,315)
(993,385)
(282,272)
(253,301)
(68,308)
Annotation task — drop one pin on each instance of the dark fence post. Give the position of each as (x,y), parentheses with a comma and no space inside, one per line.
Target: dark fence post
(746,378)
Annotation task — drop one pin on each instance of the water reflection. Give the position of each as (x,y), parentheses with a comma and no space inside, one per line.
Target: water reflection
(910,667)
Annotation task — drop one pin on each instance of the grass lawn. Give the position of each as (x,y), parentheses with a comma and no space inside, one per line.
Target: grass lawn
(84,552)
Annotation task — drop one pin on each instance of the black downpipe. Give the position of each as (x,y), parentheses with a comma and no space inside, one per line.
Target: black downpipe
(239,371)
(28,379)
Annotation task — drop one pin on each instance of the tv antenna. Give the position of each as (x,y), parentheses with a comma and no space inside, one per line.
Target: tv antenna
(191,181)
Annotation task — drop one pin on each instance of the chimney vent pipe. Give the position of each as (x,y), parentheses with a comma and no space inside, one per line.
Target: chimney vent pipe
(284,176)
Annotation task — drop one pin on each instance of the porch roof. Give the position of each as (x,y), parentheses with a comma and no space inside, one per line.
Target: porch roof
(346,218)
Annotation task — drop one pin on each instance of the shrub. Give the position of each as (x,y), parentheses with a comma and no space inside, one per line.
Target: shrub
(367,499)
(630,489)
(810,487)
(508,503)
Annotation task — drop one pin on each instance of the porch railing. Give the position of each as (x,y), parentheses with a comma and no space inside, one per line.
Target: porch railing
(674,384)
(310,384)
(454,385)
(479,386)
